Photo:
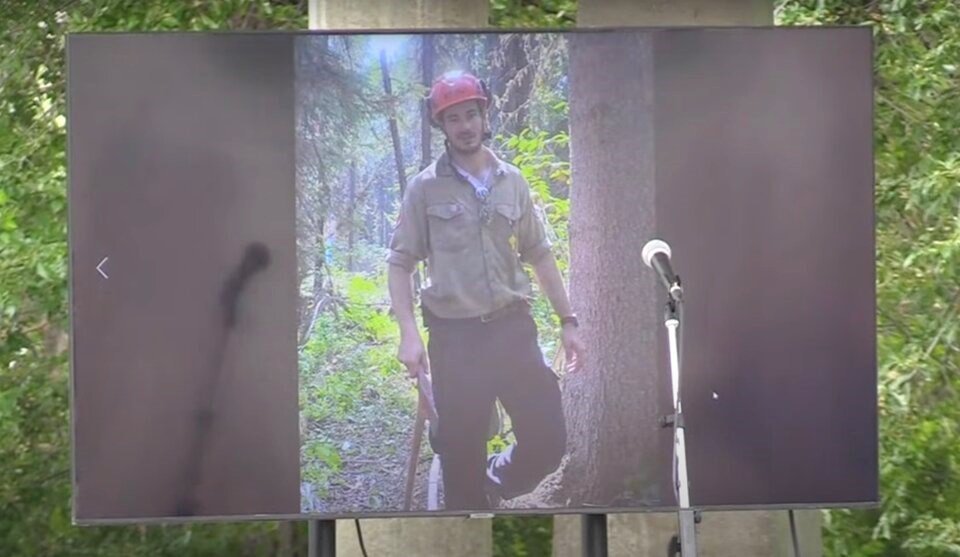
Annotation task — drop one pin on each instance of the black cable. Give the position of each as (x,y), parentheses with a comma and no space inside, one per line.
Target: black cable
(363,548)
(793,534)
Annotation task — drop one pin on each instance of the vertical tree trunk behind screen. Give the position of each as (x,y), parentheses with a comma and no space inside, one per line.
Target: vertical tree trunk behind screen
(397,150)
(351,216)
(433,537)
(426,67)
(612,407)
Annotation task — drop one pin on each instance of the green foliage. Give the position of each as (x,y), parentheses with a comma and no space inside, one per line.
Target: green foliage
(367,308)
(536,157)
(353,392)
(496,444)
(34,431)
(349,350)
(325,453)
(917,113)
(321,461)
(523,536)
(539,156)
(533,13)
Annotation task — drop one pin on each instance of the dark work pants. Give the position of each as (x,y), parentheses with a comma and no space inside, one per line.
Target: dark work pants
(473,364)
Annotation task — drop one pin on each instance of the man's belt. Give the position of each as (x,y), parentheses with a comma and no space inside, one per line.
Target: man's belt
(512,307)
(430,318)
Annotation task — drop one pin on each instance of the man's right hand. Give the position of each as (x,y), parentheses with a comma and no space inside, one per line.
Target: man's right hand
(413,355)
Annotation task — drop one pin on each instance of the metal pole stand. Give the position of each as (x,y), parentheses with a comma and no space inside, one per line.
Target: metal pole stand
(322,538)
(688,518)
(594,527)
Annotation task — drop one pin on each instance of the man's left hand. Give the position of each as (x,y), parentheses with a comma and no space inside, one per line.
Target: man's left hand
(574,349)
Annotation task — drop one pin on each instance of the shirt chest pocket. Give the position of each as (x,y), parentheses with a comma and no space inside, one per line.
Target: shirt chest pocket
(450,226)
(503,222)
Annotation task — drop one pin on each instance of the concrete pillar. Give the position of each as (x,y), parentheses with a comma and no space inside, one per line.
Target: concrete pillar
(404,537)
(398,14)
(423,537)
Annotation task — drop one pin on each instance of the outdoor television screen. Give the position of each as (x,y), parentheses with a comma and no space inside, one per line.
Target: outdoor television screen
(331,275)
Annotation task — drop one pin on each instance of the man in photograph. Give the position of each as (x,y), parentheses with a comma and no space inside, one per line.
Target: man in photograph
(471,217)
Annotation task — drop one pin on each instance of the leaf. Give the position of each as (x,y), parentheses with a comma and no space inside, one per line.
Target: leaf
(326,454)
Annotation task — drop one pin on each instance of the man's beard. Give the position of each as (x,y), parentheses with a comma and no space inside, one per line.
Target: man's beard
(461,150)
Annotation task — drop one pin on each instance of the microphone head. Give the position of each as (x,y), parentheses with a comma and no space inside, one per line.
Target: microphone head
(652,248)
(255,257)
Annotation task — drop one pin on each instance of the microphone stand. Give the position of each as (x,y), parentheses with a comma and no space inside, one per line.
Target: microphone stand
(594,526)
(322,538)
(688,518)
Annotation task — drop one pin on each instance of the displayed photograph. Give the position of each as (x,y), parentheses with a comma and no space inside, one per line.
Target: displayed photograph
(432,223)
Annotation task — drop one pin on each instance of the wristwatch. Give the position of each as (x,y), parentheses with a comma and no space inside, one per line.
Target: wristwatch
(569,320)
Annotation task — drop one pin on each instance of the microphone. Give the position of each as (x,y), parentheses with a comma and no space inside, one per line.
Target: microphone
(255,258)
(656,255)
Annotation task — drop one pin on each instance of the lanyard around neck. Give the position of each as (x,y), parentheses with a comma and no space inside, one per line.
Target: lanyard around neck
(481,185)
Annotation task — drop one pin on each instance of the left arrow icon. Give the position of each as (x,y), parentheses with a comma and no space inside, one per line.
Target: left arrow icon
(100,268)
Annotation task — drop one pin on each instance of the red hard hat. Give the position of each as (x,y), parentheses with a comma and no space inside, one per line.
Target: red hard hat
(455,87)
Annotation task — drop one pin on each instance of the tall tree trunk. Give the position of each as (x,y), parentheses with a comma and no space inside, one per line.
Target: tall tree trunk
(397,150)
(613,410)
(382,212)
(433,537)
(317,203)
(491,53)
(394,129)
(426,69)
(319,260)
(351,213)
(515,80)
(427,62)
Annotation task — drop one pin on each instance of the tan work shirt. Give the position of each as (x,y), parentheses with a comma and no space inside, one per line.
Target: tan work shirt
(474,265)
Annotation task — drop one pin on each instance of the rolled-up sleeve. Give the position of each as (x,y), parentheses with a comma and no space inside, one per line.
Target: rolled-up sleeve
(532,241)
(408,245)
